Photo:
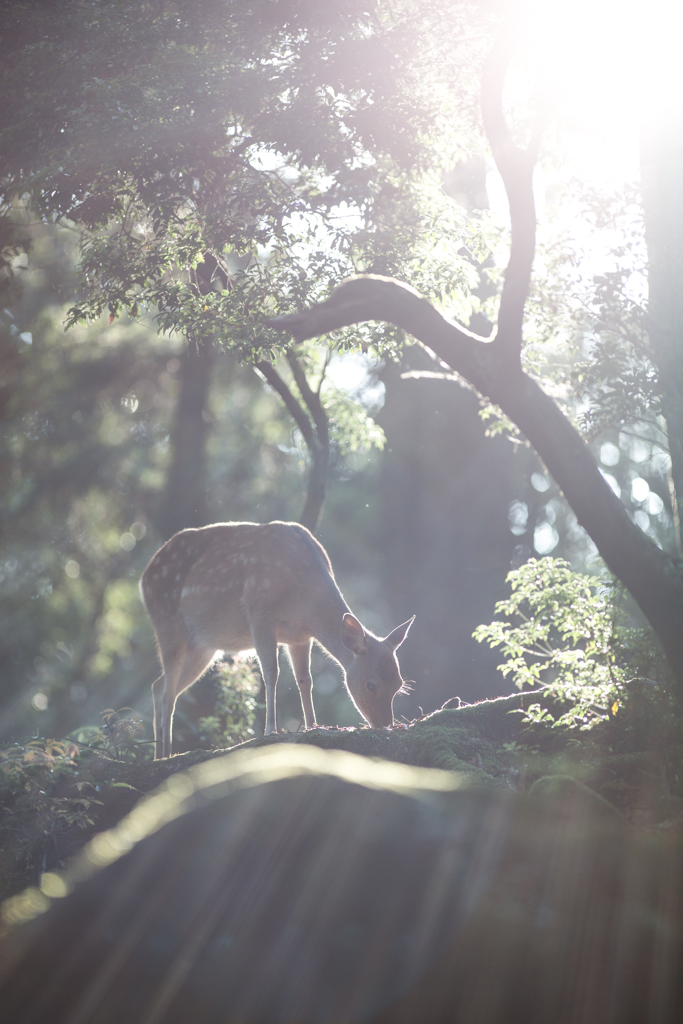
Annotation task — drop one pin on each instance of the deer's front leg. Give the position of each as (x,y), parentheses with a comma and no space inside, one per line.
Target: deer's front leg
(162,723)
(266,652)
(301,663)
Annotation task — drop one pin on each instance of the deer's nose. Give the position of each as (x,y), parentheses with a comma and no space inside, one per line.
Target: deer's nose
(380,721)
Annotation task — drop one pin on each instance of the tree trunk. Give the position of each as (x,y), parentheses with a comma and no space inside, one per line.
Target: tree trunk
(662,172)
(443,497)
(184,502)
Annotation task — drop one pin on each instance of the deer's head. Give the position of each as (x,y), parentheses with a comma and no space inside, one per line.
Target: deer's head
(374,677)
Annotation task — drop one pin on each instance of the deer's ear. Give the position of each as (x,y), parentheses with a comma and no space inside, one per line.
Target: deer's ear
(398,635)
(353,634)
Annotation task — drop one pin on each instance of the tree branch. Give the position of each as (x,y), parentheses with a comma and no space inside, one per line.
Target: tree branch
(311,398)
(316,434)
(320,452)
(293,406)
(371,297)
(516,168)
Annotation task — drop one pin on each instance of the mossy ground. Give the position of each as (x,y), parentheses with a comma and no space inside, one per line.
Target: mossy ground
(631,764)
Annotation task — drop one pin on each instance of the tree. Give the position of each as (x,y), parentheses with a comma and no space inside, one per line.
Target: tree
(493,367)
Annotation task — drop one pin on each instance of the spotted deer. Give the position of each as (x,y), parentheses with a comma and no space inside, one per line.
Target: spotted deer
(237,586)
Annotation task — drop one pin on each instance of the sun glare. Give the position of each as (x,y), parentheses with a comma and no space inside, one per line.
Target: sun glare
(610,72)
(610,68)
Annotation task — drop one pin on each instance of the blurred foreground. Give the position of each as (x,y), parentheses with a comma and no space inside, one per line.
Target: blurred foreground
(290,884)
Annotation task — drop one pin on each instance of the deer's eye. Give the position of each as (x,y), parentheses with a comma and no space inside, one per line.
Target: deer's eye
(372,686)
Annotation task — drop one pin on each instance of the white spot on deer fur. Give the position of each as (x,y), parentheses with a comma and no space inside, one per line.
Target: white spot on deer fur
(178,576)
(164,571)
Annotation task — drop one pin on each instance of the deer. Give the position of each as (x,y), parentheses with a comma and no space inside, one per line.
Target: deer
(233,587)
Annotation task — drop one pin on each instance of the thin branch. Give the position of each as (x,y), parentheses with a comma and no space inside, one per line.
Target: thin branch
(516,168)
(294,408)
(316,434)
(311,398)
(431,375)
(320,452)
(323,372)
(492,82)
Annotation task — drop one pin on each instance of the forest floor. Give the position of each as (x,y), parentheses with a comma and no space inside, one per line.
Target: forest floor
(631,763)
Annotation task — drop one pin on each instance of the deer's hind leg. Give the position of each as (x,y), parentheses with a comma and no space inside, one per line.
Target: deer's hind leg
(183,664)
(300,655)
(265,645)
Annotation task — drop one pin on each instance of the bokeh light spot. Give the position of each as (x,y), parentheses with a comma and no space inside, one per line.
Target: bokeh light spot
(609,454)
(641,519)
(654,504)
(518,514)
(613,483)
(639,489)
(325,683)
(546,538)
(539,482)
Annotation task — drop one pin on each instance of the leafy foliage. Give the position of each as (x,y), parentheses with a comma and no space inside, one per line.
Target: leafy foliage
(248,132)
(559,638)
(353,429)
(234,717)
(33,811)
(587,326)
(121,736)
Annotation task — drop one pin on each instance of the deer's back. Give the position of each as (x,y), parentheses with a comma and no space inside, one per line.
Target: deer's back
(216,580)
